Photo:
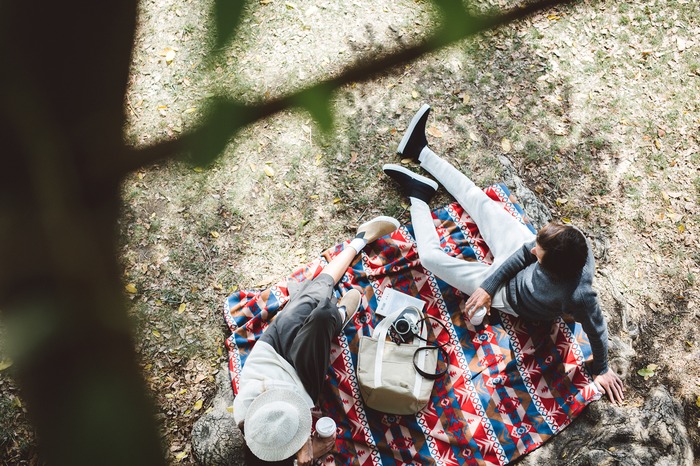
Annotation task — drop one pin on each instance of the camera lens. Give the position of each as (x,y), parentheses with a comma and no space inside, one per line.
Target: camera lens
(402,326)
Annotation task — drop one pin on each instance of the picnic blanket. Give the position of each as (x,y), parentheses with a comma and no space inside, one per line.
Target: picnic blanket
(511,384)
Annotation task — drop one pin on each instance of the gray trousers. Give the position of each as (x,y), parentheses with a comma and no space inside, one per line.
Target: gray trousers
(303,331)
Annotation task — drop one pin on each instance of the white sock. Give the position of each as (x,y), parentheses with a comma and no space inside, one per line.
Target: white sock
(358,244)
(424,153)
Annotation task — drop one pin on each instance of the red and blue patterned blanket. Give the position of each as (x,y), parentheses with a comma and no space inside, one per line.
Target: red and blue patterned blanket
(511,384)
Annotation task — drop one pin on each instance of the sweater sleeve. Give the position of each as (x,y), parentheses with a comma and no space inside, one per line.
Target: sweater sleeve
(517,261)
(594,324)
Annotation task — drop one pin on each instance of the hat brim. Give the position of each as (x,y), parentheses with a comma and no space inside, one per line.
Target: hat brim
(279,451)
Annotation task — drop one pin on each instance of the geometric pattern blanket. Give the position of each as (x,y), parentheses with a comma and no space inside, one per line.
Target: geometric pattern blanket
(511,384)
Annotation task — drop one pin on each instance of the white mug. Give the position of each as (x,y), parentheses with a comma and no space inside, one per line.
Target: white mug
(325,427)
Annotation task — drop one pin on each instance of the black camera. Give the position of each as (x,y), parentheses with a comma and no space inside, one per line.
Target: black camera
(405,327)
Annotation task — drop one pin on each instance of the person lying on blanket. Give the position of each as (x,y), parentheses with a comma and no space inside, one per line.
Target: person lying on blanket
(283,374)
(537,277)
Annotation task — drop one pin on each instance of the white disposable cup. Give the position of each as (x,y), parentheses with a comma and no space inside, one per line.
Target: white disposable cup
(325,427)
(478,316)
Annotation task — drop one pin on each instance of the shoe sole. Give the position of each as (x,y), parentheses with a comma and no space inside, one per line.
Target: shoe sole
(391,220)
(409,131)
(349,318)
(411,174)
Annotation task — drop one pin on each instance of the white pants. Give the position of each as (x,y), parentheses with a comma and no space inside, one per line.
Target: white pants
(502,232)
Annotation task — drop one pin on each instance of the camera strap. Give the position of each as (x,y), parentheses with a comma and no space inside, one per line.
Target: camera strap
(431,346)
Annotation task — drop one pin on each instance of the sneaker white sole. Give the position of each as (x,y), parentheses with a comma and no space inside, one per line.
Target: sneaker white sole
(409,131)
(415,176)
(384,218)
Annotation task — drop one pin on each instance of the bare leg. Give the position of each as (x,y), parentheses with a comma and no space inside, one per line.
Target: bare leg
(339,264)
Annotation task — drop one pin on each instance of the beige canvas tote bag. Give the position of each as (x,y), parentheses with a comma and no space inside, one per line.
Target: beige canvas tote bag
(388,379)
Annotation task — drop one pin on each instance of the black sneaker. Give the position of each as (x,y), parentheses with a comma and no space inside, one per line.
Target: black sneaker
(414,139)
(412,184)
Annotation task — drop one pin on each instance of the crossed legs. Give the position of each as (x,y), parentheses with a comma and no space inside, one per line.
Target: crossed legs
(501,231)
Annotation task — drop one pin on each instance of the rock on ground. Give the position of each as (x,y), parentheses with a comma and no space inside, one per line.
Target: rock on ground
(216,440)
(651,434)
(537,212)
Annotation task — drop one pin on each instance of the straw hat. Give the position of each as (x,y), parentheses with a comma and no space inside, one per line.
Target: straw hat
(277,424)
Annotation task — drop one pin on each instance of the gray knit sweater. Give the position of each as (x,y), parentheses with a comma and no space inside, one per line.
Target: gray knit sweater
(535,294)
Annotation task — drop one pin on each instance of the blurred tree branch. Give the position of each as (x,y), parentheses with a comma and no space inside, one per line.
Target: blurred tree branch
(458,24)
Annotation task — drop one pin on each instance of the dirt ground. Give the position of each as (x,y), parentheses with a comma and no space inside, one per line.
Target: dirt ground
(596,106)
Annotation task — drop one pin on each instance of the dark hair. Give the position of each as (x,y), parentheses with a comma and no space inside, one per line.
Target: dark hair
(565,249)
(252,460)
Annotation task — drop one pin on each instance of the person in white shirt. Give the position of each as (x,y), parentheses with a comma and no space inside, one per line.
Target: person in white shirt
(284,372)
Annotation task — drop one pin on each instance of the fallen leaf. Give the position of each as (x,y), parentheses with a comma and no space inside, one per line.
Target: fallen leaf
(4,364)
(505,145)
(697,402)
(182,308)
(561,201)
(169,55)
(648,371)
(414,94)
(336,200)
(131,288)
(406,161)
(181,456)
(473,136)
(156,333)
(214,234)
(269,171)
(434,132)
(230,408)
(466,98)
(198,405)
(198,169)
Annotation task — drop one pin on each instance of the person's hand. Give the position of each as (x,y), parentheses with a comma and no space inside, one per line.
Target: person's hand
(610,383)
(305,456)
(315,447)
(479,298)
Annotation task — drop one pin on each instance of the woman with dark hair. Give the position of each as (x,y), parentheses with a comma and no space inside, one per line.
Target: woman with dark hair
(537,277)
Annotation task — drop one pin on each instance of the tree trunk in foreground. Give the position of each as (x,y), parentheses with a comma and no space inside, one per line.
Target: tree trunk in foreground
(65,71)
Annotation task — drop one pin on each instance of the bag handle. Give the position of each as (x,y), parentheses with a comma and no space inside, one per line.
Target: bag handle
(380,333)
(440,347)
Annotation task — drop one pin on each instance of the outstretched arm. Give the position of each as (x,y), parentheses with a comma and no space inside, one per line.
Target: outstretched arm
(520,259)
(594,324)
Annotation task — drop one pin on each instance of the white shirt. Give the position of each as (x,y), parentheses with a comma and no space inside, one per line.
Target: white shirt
(264,369)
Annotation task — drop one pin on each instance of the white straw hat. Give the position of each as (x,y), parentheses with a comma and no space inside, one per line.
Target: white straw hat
(277,424)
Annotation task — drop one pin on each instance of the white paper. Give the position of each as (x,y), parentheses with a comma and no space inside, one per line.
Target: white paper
(393,300)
